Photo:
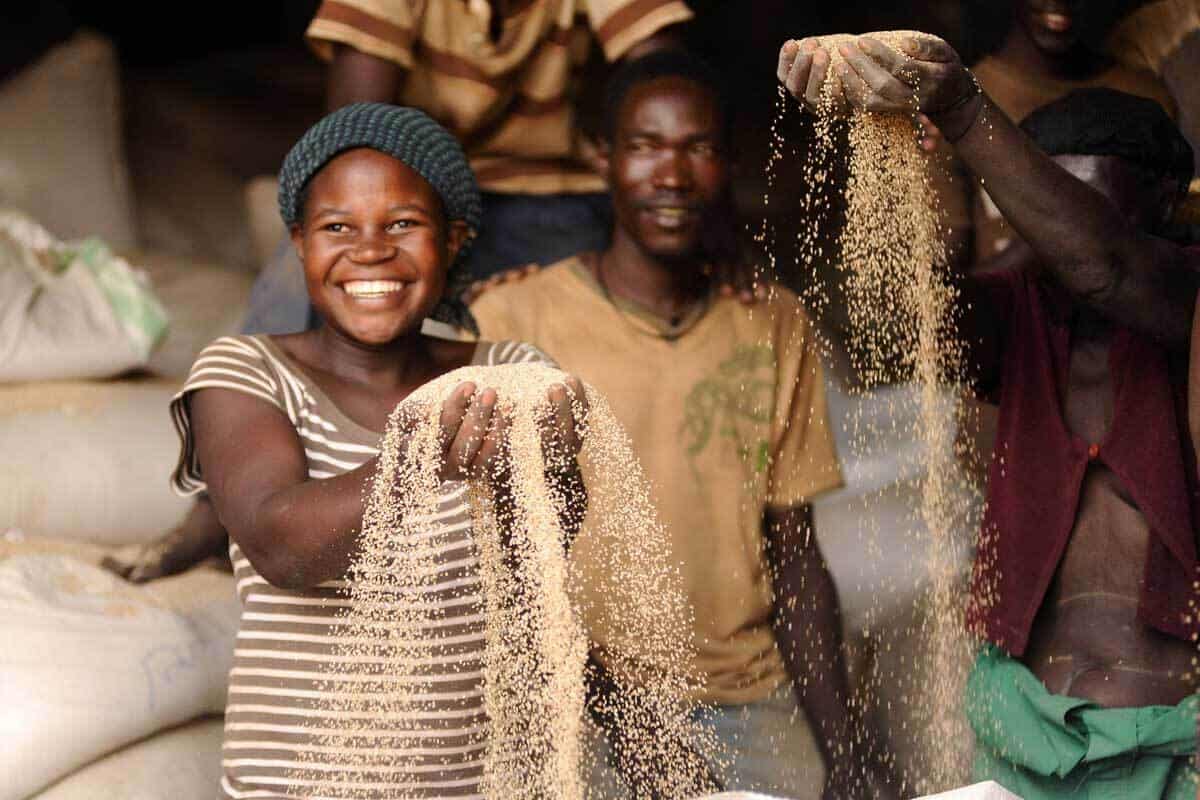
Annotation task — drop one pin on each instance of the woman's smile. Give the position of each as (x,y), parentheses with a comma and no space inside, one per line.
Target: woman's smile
(373,289)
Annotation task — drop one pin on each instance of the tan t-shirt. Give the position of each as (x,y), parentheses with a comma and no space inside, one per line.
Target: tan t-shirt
(726,413)
(508,101)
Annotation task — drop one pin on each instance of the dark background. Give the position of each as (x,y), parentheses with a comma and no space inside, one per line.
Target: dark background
(214,94)
(251,53)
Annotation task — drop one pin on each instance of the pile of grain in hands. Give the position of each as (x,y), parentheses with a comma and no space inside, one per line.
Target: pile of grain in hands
(540,605)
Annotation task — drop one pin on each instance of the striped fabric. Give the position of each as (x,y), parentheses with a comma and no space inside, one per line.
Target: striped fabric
(278,725)
(507,101)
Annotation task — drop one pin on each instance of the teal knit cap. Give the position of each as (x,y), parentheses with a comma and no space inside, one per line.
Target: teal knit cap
(410,136)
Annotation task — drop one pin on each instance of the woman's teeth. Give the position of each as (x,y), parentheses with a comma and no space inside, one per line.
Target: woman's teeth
(371,288)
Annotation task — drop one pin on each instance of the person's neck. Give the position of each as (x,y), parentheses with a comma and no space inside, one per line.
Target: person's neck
(1022,54)
(404,362)
(665,288)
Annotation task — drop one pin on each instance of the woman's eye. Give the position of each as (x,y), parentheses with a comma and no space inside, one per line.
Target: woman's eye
(704,149)
(335,227)
(401,224)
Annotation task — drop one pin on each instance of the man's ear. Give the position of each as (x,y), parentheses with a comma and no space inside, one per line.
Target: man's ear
(297,235)
(458,233)
(602,158)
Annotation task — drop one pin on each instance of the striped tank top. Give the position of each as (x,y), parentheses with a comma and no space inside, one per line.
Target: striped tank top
(287,641)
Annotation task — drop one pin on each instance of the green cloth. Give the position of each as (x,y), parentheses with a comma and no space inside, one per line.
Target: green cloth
(1042,745)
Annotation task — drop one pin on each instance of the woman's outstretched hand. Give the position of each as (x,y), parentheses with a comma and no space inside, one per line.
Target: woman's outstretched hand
(474,429)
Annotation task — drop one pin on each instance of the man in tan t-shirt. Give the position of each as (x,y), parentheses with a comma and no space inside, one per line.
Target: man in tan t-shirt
(726,408)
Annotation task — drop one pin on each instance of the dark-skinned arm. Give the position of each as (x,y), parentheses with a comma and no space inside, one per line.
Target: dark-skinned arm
(1097,255)
(1077,234)
(358,77)
(808,624)
(808,630)
(295,530)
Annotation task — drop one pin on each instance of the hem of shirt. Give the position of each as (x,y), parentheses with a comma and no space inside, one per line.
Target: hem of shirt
(1004,636)
(756,692)
(819,488)
(634,34)
(545,184)
(322,35)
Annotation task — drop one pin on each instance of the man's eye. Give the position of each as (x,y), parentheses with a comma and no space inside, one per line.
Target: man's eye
(335,227)
(639,146)
(704,149)
(401,224)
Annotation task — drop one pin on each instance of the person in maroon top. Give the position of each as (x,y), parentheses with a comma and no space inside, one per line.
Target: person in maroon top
(1083,586)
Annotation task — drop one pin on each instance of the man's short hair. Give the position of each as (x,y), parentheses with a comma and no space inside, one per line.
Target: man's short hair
(666,63)
(1106,122)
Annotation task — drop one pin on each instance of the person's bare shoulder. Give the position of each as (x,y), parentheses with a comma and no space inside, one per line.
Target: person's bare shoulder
(1143,83)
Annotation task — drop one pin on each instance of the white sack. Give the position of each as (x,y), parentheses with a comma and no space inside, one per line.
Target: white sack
(183,763)
(91,663)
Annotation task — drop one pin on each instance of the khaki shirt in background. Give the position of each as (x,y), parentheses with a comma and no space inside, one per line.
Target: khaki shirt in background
(509,102)
(727,414)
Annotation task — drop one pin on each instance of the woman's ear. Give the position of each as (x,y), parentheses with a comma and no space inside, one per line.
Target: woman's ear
(297,235)
(458,233)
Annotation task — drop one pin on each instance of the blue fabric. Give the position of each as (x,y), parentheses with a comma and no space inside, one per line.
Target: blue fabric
(538,229)
(279,299)
(517,230)
(767,744)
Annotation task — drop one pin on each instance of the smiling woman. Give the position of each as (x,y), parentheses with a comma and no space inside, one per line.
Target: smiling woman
(283,432)
(372,267)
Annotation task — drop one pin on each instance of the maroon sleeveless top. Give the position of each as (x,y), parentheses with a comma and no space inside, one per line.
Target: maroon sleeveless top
(1038,467)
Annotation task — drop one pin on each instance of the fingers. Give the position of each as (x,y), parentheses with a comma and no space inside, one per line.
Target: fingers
(877,88)
(892,62)
(454,409)
(565,401)
(561,427)
(465,420)
(478,419)
(931,135)
(787,55)
(121,568)
(795,80)
(817,73)
(475,430)
(852,90)
(487,458)
(803,66)
(929,48)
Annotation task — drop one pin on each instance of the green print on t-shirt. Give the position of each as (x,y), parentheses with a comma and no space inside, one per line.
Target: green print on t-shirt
(734,404)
